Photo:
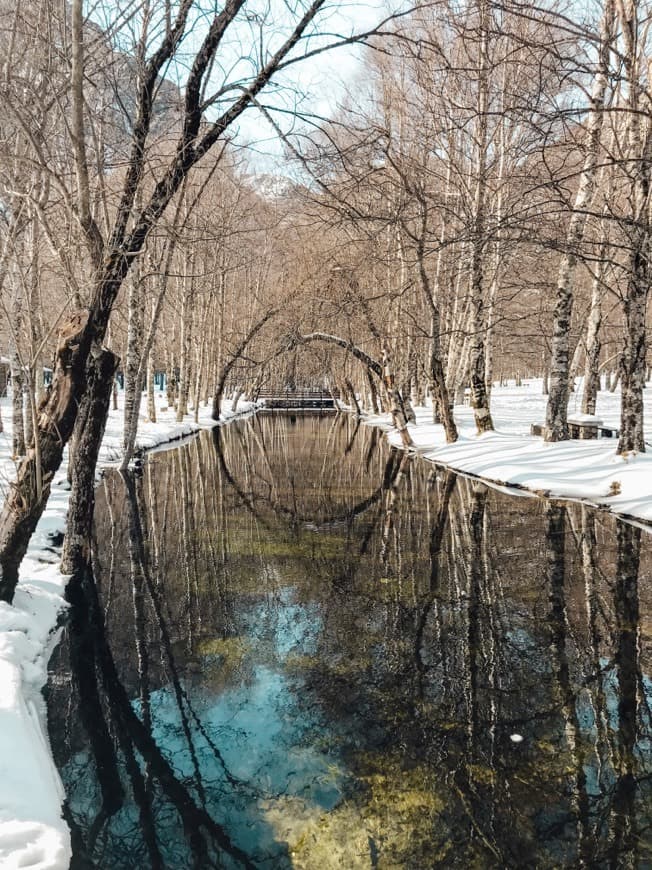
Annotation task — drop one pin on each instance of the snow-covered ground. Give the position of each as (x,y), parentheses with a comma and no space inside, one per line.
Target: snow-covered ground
(586,470)
(32,831)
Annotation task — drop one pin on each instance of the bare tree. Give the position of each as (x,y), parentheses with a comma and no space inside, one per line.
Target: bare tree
(556,412)
(209,111)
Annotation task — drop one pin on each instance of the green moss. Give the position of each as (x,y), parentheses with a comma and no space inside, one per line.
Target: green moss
(307,546)
(388,823)
(229,648)
(296,664)
(481,775)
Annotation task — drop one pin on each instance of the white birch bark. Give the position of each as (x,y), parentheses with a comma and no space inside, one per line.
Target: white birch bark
(593,341)
(639,171)
(479,396)
(497,246)
(185,343)
(133,359)
(557,407)
(151,398)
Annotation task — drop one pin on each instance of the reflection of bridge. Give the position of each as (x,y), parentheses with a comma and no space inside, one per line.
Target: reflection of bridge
(297,399)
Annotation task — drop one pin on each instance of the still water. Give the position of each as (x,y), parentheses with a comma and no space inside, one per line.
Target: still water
(308,650)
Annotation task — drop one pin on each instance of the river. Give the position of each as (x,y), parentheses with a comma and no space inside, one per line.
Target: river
(306,649)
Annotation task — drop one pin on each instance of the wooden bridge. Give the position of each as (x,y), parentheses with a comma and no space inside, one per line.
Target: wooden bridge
(297,400)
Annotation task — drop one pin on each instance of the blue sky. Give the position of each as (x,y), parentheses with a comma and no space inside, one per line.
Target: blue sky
(316,84)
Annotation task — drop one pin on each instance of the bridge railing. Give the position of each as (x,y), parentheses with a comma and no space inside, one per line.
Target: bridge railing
(269,393)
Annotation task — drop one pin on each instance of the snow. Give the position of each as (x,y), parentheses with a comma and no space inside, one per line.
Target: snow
(585,418)
(584,470)
(33,833)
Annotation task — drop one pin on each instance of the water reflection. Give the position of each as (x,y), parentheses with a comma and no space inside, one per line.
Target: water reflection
(304,649)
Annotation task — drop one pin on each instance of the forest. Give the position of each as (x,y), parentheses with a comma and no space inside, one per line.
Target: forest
(438,215)
(476,208)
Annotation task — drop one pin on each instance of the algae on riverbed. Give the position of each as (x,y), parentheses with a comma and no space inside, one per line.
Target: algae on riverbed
(390,821)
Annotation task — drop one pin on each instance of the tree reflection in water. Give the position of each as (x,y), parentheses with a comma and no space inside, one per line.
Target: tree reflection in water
(304,649)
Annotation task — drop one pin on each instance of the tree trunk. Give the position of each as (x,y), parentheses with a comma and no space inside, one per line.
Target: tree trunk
(17,385)
(91,422)
(575,365)
(614,380)
(593,342)
(236,400)
(639,169)
(373,393)
(170,379)
(133,382)
(185,343)
(29,394)
(151,399)
(497,246)
(632,364)
(479,395)
(397,410)
(457,316)
(557,408)
(407,407)
(200,370)
(354,399)
(440,398)
(24,503)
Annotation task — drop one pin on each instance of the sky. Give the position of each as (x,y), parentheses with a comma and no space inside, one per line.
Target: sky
(318,84)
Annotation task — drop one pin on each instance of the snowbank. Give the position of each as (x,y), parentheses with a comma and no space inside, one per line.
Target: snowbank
(585,470)
(32,831)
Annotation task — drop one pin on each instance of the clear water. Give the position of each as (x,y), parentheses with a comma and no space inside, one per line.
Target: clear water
(307,650)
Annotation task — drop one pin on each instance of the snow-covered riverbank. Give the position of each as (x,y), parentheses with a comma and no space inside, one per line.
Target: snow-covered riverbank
(32,831)
(586,470)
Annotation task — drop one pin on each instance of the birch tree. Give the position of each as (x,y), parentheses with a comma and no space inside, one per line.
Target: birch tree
(638,172)
(478,321)
(557,406)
